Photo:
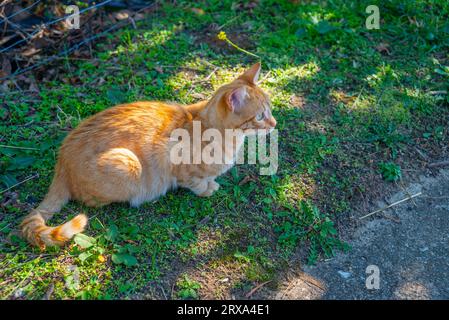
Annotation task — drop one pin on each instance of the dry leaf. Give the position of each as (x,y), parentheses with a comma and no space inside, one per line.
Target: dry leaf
(122,15)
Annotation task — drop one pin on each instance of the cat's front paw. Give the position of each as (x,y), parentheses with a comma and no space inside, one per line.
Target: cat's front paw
(212,186)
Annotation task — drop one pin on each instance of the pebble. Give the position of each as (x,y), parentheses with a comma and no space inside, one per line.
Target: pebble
(344,274)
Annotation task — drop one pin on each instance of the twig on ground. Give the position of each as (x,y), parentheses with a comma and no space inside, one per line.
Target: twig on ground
(406,192)
(253,290)
(173,290)
(391,205)
(309,280)
(439,164)
(290,285)
(210,74)
(436,198)
(358,98)
(437,92)
(228,22)
(210,64)
(19,183)
(265,77)
(424,156)
(15,147)
(394,219)
(163,292)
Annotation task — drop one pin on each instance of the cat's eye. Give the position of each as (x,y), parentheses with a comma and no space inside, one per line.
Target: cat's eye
(260,116)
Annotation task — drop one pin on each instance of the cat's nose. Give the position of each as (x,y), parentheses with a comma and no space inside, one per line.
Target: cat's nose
(272,122)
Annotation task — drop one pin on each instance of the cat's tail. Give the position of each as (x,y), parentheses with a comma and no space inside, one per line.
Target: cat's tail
(33,227)
(37,233)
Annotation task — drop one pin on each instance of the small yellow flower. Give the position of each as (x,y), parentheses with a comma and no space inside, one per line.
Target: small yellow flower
(101,258)
(222,35)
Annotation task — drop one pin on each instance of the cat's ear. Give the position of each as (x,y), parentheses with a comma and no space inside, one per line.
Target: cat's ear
(235,100)
(252,74)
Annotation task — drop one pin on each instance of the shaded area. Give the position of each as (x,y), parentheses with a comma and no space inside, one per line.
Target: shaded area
(36,33)
(408,244)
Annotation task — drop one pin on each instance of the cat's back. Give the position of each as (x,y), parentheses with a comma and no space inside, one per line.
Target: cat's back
(127,125)
(149,115)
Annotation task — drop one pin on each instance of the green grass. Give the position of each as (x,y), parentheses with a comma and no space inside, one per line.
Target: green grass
(352,106)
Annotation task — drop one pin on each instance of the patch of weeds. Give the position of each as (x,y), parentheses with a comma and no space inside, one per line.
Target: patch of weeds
(390,171)
(187,288)
(306,224)
(387,135)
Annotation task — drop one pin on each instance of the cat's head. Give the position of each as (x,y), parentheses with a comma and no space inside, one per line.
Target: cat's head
(241,104)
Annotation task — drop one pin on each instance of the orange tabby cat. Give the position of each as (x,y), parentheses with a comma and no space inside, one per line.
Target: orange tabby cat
(122,154)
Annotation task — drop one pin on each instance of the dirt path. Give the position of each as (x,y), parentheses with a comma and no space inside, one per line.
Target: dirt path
(409,244)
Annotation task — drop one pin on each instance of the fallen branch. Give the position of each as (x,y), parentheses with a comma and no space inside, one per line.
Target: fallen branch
(391,205)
